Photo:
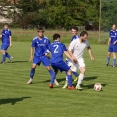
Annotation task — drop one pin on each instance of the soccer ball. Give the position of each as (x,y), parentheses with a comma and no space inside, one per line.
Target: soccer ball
(97,87)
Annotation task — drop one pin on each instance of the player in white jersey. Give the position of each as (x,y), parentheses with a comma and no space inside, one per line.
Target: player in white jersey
(76,50)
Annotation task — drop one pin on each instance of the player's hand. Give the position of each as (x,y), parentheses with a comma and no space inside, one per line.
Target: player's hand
(10,44)
(114,42)
(31,59)
(92,58)
(47,55)
(74,59)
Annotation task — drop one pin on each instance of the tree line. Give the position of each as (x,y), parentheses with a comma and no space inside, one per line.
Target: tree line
(55,13)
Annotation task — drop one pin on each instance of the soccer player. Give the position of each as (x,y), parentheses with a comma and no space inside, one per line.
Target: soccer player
(73,68)
(6,36)
(112,46)
(40,44)
(57,49)
(76,50)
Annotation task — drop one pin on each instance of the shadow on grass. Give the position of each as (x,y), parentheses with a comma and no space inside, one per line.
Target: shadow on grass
(90,86)
(59,80)
(12,100)
(19,61)
(90,78)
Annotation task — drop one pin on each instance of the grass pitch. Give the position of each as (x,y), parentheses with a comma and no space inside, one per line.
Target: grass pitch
(37,100)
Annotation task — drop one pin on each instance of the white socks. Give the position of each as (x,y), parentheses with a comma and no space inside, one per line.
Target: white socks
(80,79)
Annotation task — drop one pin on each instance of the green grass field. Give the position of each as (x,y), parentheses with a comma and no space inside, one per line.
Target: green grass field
(37,100)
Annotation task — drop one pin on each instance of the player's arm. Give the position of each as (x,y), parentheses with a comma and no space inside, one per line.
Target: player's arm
(109,41)
(68,55)
(31,53)
(10,38)
(70,50)
(90,53)
(0,36)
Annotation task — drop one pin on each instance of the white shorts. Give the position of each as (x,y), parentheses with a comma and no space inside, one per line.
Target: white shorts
(74,66)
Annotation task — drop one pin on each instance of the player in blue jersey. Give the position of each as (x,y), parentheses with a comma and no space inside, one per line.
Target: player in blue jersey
(40,44)
(57,49)
(112,45)
(73,68)
(6,36)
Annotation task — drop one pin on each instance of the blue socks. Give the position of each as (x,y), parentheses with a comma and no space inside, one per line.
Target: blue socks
(52,76)
(107,60)
(69,80)
(114,62)
(32,72)
(7,55)
(75,73)
(3,57)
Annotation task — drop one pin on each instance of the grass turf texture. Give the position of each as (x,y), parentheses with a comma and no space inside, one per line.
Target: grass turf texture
(37,100)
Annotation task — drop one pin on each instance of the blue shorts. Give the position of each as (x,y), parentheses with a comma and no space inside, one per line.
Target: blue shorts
(112,48)
(4,46)
(45,61)
(62,66)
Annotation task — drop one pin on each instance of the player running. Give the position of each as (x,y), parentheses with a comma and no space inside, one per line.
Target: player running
(76,50)
(112,45)
(6,36)
(40,44)
(57,49)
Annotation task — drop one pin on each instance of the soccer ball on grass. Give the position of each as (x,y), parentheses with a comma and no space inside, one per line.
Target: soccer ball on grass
(97,87)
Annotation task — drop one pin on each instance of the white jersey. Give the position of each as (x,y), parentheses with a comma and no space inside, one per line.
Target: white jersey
(77,48)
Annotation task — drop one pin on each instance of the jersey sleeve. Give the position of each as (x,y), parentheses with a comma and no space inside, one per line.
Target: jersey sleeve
(87,44)
(33,43)
(110,34)
(71,46)
(10,34)
(64,48)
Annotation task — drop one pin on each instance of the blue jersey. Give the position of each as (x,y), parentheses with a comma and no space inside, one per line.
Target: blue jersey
(113,36)
(40,45)
(6,33)
(57,49)
(75,37)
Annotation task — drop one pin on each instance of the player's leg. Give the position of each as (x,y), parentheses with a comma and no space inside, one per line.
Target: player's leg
(36,61)
(45,61)
(4,48)
(108,55)
(32,72)
(9,57)
(55,80)
(81,75)
(69,76)
(114,55)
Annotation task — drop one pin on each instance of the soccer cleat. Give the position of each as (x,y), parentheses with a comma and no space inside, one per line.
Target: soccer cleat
(65,86)
(51,85)
(29,82)
(107,64)
(56,82)
(78,87)
(71,88)
(11,59)
(75,79)
(2,62)
(114,66)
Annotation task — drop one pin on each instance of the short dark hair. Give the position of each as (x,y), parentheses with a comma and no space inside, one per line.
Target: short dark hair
(56,36)
(6,24)
(83,33)
(40,29)
(75,28)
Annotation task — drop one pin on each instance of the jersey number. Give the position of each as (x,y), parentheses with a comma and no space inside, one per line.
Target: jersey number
(56,47)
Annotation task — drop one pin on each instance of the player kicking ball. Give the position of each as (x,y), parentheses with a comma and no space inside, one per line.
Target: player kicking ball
(6,36)
(57,49)
(40,44)
(76,50)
